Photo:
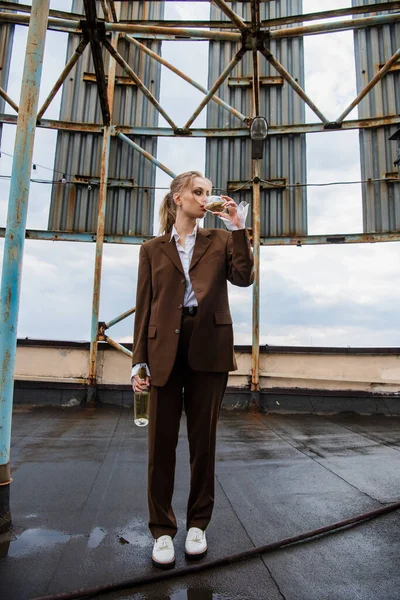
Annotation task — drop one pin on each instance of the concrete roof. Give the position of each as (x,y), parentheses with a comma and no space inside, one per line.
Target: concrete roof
(79,506)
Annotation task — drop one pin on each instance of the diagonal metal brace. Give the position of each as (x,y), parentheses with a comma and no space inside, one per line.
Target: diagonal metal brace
(95,32)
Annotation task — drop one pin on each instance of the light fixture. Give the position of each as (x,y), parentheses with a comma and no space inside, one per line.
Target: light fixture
(258,135)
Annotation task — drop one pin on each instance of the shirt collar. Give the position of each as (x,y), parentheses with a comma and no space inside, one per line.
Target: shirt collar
(175,234)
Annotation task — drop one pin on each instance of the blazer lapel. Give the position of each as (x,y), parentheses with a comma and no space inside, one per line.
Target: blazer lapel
(201,245)
(168,246)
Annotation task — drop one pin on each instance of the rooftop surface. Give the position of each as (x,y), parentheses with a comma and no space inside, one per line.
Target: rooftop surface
(79,507)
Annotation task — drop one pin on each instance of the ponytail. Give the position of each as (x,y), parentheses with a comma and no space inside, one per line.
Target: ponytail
(168,207)
(167,213)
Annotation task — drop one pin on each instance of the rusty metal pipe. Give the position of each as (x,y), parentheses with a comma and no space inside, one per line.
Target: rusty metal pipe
(105,10)
(162,61)
(101,212)
(256,197)
(376,20)
(24,20)
(118,346)
(236,59)
(98,265)
(306,536)
(68,67)
(255,354)
(146,154)
(113,10)
(9,100)
(306,240)
(389,5)
(121,61)
(380,74)
(236,20)
(293,83)
(367,123)
(124,315)
(16,226)
(334,13)
(175,32)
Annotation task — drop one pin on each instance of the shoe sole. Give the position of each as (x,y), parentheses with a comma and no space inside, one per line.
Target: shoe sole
(196,556)
(163,566)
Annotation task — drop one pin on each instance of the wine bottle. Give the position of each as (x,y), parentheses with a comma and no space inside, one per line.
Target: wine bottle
(141,401)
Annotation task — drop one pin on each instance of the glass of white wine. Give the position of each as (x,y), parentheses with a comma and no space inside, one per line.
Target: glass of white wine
(215,204)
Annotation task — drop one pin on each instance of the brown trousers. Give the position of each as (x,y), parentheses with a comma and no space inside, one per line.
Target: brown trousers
(201,395)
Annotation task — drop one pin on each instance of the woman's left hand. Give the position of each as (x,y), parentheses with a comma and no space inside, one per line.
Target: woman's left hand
(232,214)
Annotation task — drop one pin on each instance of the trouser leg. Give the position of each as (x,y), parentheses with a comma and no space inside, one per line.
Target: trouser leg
(164,418)
(203,396)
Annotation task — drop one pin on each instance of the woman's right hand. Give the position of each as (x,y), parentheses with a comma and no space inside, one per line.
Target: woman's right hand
(138,385)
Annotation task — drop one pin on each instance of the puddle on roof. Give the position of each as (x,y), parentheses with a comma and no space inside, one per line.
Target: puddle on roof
(30,541)
(96,537)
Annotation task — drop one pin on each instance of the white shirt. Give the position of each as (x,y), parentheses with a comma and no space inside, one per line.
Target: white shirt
(185,255)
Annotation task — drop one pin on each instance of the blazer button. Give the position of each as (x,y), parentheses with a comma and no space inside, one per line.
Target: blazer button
(180,306)
(176,330)
(183,280)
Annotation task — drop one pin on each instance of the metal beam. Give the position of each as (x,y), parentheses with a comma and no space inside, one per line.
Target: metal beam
(52,23)
(68,67)
(113,10)
(335,26)
(236,59)
(293,83)
(105,10)
(9,100)
(380,74)
(25,8)
(16,224)
(188,33)
(68,236)
(92,32)
(132,240)
(301,18)
(232,16)
(120,318)
(146,154)
(101,217)
(121,61)
(199,132)
(177,32)
(118,346)
(256,208)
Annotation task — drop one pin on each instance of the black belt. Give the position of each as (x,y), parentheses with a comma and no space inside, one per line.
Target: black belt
(189,310)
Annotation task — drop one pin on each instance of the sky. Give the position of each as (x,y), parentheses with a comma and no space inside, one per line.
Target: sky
(345,296)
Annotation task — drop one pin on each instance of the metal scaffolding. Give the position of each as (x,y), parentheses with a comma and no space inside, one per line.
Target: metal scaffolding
(100,30)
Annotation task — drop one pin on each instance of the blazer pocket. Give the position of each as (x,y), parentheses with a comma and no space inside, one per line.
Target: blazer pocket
(151,332)
(223,318)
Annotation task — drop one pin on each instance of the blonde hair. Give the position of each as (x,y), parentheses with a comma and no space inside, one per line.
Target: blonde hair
(168,206)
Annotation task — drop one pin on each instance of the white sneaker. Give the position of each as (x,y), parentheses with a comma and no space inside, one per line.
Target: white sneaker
(163,555)
(196,544)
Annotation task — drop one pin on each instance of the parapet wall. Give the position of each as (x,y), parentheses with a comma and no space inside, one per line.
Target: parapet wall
(287,372)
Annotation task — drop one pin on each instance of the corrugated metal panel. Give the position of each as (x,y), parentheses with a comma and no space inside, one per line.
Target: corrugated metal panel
(381,201)
(283,210)
(6,44)
(129,210)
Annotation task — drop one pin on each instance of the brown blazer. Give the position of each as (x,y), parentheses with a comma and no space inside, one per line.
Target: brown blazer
(218,256)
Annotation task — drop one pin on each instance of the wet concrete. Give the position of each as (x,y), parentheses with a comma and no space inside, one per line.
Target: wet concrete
(79,507)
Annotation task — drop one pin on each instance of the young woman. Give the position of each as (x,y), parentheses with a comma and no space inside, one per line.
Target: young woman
(183,333)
